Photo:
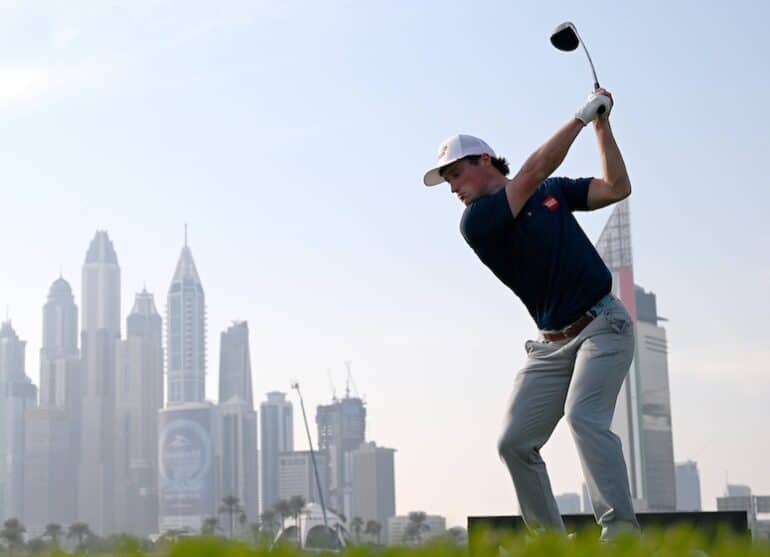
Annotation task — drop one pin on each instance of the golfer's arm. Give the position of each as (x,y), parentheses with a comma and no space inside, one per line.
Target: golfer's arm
(540,165)
(615,184)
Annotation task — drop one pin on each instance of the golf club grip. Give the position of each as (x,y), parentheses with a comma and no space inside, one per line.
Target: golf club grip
(600,110)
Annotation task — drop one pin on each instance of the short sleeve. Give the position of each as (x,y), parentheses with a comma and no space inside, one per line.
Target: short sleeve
(484,216)
(575,191)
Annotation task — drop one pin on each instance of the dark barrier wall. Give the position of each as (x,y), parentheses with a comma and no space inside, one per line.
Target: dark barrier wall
(707,523)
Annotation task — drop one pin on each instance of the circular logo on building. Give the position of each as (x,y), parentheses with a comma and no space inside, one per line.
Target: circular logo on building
(185,454)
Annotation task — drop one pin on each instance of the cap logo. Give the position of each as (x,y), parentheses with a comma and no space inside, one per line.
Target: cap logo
(442,150)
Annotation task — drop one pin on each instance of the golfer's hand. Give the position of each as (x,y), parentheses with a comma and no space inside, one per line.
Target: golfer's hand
(604,117)
(590,109)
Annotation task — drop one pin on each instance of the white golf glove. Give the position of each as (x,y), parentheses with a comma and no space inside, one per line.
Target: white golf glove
(590,109)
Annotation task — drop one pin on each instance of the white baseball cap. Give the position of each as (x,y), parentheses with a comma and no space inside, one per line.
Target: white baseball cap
(453,149)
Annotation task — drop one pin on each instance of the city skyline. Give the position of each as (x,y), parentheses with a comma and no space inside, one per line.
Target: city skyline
(293,138)
(60,343)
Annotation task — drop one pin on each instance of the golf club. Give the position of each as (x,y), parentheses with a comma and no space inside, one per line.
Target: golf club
(565,37)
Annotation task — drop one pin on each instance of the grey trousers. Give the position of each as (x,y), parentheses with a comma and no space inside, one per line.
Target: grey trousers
(579,379)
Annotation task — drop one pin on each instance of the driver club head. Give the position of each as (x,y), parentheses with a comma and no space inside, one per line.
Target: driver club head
(565,37)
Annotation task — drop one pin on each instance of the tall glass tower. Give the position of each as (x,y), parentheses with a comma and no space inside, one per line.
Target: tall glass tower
(59,356)
(99,337)
(235,364)
(239,420)
(53,429)
(17,396)
(186,330)
(139,398)
(277,436)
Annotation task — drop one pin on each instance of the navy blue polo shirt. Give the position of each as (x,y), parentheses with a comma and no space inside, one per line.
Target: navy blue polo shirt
(542,254)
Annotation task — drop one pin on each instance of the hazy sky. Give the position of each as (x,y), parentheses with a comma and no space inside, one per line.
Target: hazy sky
(292,137)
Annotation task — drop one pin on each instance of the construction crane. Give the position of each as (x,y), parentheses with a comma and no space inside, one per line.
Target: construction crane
(349,381)
(331,382)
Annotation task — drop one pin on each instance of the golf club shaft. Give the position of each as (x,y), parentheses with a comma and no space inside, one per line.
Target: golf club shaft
(590,63)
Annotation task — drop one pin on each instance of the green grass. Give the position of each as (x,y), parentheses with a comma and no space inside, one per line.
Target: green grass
(676,542)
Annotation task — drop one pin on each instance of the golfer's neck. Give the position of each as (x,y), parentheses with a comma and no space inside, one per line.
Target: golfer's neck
(496,185)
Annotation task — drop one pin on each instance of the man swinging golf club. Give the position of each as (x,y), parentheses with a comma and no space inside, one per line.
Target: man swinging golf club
(523,229)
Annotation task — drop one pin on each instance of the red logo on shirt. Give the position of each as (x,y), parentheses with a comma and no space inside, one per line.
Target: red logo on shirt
(551,203)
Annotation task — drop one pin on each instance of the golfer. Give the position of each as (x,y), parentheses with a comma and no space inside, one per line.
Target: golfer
(523,229)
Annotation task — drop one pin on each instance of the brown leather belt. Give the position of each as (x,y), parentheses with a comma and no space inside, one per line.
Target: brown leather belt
(572,330)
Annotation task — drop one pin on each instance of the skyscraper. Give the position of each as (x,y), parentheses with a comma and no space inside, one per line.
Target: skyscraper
(643,412)
(139,398)
(341,428)
(276,437)
(297,476)
(239,420)
(60,320)
(17,395)
(688,487)
(373,480)
(59,356)
(186,328)
(53,429)
(99,336)
(50,474)
(239,475)
(189,466)
(235,364)
(658,444)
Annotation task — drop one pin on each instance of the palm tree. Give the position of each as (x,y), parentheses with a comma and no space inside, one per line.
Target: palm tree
(53,531)
(283,510)
(36,546)
(296,504)
(210,526)
(256,530)
(80,531)
(373,528)
(417,525)
(231,506)
(458,534)
(13,533)
(357,525)
(268,525)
